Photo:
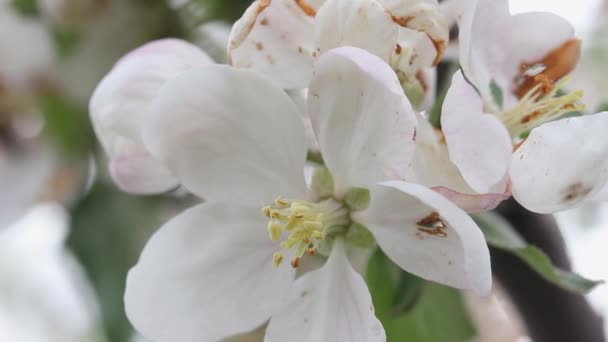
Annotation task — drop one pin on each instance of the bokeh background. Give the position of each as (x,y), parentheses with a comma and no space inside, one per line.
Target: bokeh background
(68,236)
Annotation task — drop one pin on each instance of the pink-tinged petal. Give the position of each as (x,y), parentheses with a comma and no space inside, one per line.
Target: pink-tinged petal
(232,136)
(120,106)
(140,174)
(329,304)
(426,234)
(473,203)
(478,144)
(561,164)
(275,37)
(364,123)
(485,42)
(533,43)
(206,275)
(359,23)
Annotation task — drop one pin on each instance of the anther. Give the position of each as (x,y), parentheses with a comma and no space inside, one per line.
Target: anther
(295,262)
(277,259)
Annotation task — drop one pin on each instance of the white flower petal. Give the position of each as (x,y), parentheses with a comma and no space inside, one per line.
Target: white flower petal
(478,144)
(485,41)
(329,304)
(533,44)
(364,123)
(421,15)
(275,38)
(561,164)
(456,255)
(120,106)
(473,203)
(359,23)
(140,173)
(231,136)
(206,275)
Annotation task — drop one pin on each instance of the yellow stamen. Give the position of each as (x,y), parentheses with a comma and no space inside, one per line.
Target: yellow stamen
(539,106)
(305,222)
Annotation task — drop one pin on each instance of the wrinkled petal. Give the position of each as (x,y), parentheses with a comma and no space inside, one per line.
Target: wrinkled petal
(421,15)
(364,123)
(206,275)
(329,304)
(561,164)
(359,23)
(275,38)
(533,44)
(403,218)
(485,39)
(120,106)
(478,144)
(413,52)
(231,136)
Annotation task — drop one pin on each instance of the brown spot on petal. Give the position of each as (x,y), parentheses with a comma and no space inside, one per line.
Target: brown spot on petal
(306,8)
(439,48)
(397,49)
(432,225)
(259,46)
(422,81)
(557,63)
(264,22)
(575,191)
(402,21)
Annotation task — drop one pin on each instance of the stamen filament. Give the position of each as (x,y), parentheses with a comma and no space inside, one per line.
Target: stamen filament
(538,106)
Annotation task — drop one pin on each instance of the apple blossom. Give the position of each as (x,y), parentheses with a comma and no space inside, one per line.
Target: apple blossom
(282,38)
(120,104)
(514,74)
(229,265)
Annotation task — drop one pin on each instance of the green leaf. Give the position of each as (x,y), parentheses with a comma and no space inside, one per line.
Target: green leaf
(429,312)
(497,95)
(500,234)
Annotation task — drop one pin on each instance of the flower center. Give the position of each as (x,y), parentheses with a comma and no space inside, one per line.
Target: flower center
(541,104)
(304,223)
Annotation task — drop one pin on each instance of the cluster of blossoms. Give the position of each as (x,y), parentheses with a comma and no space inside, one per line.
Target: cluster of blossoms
(273,240)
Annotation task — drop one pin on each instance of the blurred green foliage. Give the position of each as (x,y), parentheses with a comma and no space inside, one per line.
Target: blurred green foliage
(412,309)
(108,230)
(500,234)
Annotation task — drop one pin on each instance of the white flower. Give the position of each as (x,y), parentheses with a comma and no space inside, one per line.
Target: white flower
(517,71)
(281,38)
(236,138)
(120,104)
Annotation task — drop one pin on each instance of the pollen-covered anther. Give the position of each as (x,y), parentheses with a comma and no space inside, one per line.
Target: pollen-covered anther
(304,222)
(541,104)
(277,259)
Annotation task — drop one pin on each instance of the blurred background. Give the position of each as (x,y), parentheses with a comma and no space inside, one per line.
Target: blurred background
(68,236)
